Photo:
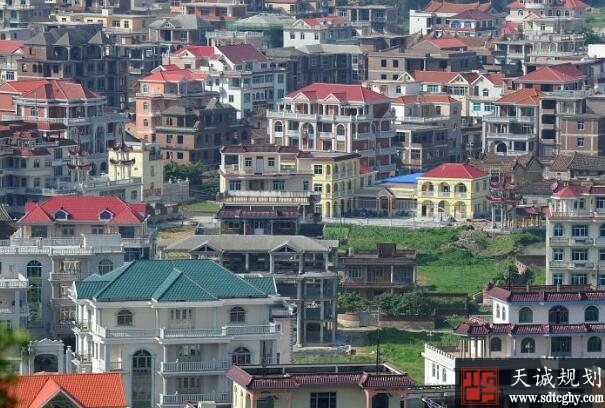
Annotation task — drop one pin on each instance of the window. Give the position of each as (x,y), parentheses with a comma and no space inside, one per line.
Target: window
(498,311)
(179,155)
(580,127)
(68,230)
(279,185)
(558,315)
(271,162)
(248,162)
(383,63)
(591,314)
(145,123)
(579,279)
(317,169)
(180,314)
(124,318)
(235,185)
(105,215)
(395,63)
(188,385)
(354,272)
(560,345)
(476,107)
(61,215)
(97,229)
(557,278)
(600,202)
(558,254)
(602,230)
(593,345)
(495,344)
(579,231)
(580,142)
(237,315)
(179,139)
(241,356)
(601,280)
(189,351)
(105,266)
(579,255)
(39,231)
(146,104)
(317,187)
(558,230)
(526,315)
(323,400)
(528,346)
(305,185)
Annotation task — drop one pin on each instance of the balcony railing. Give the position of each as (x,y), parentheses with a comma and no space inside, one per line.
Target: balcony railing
(194,366)
(175,333)
(64,276)
(424,119)
(509,119)
(178,399)
(261,197)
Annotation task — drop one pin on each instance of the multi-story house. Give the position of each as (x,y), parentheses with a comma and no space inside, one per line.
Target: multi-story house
(576,165)
(453,190)
(563,77)
(336,117)
(378,17)
(23,13)
(217,13)
(303,269)
(440,111)
(374,272)
(436,13)
(264,190)
(315,385)
(513,129)
(526,329)
(176,336)
(469,23)
(322,30)
(179,29)
(83,54)
(484,90)
(14,286)
(67,110)
(574,235)
(119,26)
(11,52)
(191,134)
(64,239)
(162,90)
(421,147)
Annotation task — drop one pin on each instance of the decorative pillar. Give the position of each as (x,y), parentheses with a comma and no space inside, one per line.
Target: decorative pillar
(107,357)
(271,263)
(247,257)
(300,314)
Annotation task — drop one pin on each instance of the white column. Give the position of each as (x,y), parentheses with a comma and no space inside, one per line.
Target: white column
(107,357)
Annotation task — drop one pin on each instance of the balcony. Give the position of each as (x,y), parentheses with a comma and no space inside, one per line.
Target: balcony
(225,331)
(523,137)
(13,280)
(62,327)
(266,197)
(180,367)
(136,242)
(509,119)
(63,276)
(424,119)
(61,302)
(87,244)
(386,168)
(178,399)
(386,150)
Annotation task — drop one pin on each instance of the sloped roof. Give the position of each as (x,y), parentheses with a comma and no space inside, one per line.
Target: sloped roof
(183,22)
(89,390)
(552,73)
(82,209)
(10,46)
(21,86)
(171,281)
(473,14)
(447,7)
(251,243)
(174,75)
(447,43)
(198,51)
(456,171)
(60,90)
(342,92)
(440,77)
(577,161)
(330,20)
(424,98)
(524,96)
(241,53)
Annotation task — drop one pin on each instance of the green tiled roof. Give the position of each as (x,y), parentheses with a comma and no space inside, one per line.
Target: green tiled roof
(264,283)
(171,281)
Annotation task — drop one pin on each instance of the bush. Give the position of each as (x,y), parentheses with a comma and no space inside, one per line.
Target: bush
(352,302)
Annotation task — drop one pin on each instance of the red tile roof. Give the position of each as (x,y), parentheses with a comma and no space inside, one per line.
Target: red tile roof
(447,43)
(473,14)
(174,76)
(424,98)
(21,86)
(88,390)
(330,20)
(511,27)
(524,96)
(567,192)
(10,46)
(365,170)
(241,53)
(447,7)
(543,296)
(343,93)
(555,73)
(197,51)
(60,90)
(83,209)
(456,171)
(495,78)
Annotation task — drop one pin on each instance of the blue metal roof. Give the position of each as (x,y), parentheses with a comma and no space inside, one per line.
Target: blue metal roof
(405,178)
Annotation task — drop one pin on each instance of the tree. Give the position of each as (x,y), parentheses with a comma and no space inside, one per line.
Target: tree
(10,340)
(352,302)
(590,37)
(410,303)
(191,171)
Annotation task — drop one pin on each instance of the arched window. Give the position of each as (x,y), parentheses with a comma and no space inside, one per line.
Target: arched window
(33,111)
(105,266)
(602,230)
(558,315)
(485,92)
(528,346)
(594,345)
(340,130)
(497,311)
(241,356)
(520,12)
(278,127)
(124,318)
(558,230)
(34,269)
(141,379)
(495,344)
(145,123)
(237,315)
(503,313)
(591,314)
(526,315)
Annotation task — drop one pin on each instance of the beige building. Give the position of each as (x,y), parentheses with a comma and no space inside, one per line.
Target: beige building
(122,24)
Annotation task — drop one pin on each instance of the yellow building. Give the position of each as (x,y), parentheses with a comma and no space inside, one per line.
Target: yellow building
(338,178)
(118,23)
(452,190)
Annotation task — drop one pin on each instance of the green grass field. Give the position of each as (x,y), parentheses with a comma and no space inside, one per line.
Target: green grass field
(203,206)
(401,348)
(445,264)
(596,19)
